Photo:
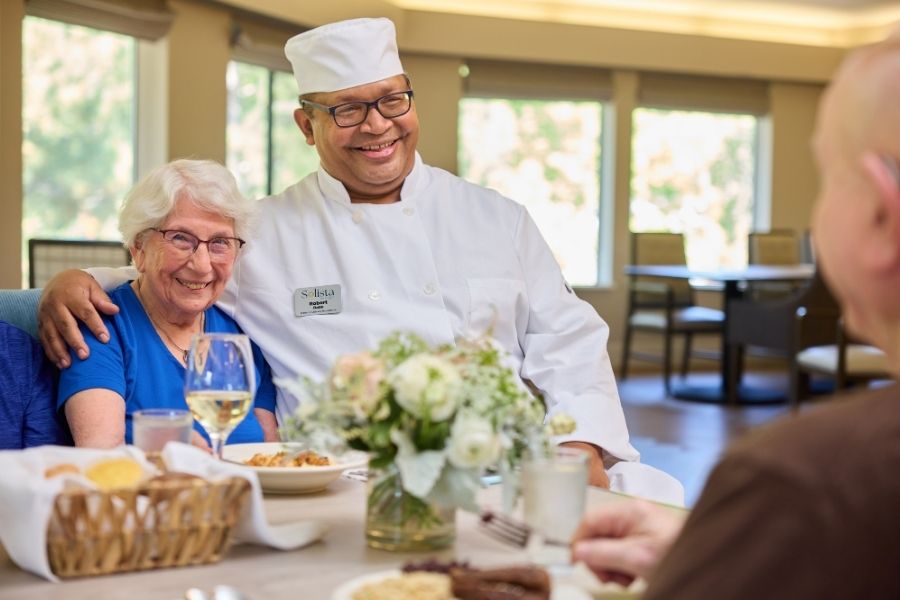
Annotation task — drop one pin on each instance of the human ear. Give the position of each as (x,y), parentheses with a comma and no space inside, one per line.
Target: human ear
(304,123)
(138,254)
(883,173)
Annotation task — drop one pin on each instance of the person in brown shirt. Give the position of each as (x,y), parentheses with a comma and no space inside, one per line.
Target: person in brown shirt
(808,507)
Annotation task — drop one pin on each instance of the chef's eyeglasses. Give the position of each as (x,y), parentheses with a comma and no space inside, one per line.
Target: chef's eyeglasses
(350,114)
(221,249)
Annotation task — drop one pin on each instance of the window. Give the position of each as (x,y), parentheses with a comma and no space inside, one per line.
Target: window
(266,151)
(694,172)
(546,155)
(79,120)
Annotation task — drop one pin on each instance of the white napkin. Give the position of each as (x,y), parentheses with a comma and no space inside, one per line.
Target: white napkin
(27,496)
(252,527)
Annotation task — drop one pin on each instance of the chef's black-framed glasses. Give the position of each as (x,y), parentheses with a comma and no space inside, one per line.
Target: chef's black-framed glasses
(350,114)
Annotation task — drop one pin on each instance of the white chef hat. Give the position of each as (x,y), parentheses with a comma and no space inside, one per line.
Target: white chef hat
(345,54)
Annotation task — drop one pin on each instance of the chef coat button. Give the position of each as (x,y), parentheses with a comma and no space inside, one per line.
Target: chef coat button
(429,288)
(357,216)
(374,295)
(408,211)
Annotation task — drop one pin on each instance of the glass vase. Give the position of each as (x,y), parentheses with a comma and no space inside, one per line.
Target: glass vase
(398,521)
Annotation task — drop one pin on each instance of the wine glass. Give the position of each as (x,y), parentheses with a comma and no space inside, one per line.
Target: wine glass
(220,383)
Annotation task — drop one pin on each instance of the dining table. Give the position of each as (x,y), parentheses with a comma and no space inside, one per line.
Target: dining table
(312,572)
(731,281)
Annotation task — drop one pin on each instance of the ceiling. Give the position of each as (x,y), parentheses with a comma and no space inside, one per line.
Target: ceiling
(836,23)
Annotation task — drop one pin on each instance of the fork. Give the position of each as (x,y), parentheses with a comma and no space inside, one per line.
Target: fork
(510,530)
(505,528)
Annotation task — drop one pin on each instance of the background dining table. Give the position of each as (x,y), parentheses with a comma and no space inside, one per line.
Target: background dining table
(313,572)
(731,280)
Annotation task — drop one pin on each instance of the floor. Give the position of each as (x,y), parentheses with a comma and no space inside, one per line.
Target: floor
(683,438)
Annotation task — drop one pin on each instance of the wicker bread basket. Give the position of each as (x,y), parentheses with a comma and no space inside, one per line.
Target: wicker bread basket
(170,521)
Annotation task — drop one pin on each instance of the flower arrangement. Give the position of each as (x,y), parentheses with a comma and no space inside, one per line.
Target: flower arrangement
(436,417)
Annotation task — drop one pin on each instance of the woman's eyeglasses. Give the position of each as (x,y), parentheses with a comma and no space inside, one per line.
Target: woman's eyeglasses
(221,249)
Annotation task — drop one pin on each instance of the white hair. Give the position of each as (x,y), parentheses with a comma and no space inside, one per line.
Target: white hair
(206,183)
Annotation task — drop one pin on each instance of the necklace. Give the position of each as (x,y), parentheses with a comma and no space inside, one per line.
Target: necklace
(184,352)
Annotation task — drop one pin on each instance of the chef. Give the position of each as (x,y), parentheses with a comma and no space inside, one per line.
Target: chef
(377,241)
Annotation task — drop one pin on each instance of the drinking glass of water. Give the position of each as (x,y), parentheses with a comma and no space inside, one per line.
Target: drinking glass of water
(220,383)
(153,428)
(553,494)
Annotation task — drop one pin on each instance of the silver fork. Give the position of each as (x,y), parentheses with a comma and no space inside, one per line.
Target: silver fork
(510,530)
(505,528)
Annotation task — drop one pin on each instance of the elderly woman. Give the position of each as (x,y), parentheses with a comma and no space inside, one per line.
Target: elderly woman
(183,225)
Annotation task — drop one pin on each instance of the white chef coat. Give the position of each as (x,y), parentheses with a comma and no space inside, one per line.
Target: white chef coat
(450,259)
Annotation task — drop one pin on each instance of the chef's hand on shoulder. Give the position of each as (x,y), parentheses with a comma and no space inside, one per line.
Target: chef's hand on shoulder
(71,296)
(597,475)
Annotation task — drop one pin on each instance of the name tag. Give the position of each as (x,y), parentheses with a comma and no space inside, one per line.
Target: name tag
(322,300)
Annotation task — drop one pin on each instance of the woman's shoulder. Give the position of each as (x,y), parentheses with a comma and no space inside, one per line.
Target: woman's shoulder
(218,321)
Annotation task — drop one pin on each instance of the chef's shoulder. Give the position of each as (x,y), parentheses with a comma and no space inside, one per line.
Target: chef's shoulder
(460,194)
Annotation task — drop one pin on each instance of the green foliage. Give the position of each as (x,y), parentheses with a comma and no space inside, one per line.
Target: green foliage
(78,115)
(694,172)
(251,90)
(546,155)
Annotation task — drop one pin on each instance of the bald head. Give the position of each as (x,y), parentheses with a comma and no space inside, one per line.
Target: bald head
(856,224)
(863,102)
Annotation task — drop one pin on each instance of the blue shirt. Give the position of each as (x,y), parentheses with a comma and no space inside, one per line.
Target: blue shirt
(138,366)
(28,415)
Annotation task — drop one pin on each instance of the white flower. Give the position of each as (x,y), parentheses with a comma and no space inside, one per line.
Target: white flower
(427,385)
(561,424)
(473,442)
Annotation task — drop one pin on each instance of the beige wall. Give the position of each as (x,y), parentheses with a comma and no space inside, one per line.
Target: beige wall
(438,89)
(198,57)
(11,13)
(433,47)
(794,177)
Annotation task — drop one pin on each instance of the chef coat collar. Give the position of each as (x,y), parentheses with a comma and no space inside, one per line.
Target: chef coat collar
(335,191)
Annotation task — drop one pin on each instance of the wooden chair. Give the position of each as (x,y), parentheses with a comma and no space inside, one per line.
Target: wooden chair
(847,362)
(664,306)
(48,257)
(784,327)
(775,247)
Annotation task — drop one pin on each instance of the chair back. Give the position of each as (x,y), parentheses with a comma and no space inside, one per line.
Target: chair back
(47,257)
(807,249)
(818,315)
(662,248)
(776,247)
(807,317)
(19,308)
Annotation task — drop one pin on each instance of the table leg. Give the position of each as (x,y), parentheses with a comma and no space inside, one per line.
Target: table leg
(728,392)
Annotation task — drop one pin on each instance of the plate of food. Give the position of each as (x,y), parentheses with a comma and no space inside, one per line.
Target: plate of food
(285,468)
(457,583)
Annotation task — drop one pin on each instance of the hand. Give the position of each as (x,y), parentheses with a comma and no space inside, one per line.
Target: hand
(70,296)
(620,541)
(199,441)
(596,472)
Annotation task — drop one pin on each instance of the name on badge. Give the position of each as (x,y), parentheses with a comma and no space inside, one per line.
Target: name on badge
(321,300)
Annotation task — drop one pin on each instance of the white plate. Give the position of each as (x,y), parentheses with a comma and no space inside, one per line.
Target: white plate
(293,480)
(564,591)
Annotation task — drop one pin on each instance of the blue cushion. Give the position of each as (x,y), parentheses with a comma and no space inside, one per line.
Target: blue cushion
(19,308)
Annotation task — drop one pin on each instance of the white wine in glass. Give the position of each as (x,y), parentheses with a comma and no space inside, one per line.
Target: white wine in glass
(219,384)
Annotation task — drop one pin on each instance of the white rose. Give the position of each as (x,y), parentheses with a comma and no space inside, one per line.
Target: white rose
(473,442)
(427,385)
